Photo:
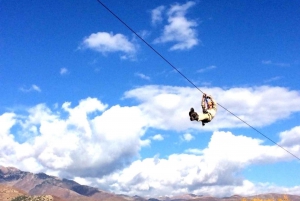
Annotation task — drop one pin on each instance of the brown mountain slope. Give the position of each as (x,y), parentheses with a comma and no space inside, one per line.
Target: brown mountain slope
(276,196)
(262,197)
(8,193)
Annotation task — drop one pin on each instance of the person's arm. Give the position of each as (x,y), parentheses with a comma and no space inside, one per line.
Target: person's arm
(213,101)
(203,104)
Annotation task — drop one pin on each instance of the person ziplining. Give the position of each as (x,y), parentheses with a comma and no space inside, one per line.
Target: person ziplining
(209,109)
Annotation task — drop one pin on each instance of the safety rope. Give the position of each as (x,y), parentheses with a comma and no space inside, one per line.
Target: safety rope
(125,24)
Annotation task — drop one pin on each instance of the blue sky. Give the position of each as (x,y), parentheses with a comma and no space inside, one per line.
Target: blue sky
(83,98)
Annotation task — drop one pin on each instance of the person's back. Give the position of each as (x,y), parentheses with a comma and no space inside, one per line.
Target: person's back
(212,107)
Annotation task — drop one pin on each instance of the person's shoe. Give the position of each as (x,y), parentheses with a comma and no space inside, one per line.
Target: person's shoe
(190,114)
(195,116)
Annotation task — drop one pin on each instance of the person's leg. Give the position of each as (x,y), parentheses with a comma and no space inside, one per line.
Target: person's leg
(203,117)
(192,111)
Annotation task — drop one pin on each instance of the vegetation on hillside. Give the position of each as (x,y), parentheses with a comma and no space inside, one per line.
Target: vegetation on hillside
(284,198)
(33,198)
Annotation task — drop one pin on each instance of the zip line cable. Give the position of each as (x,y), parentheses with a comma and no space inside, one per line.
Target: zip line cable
(125,24)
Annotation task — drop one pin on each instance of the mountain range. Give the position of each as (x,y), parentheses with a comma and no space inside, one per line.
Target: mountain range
(15,183)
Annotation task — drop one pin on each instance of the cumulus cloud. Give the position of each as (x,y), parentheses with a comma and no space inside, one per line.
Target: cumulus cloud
(7,120)
(100,145)
(74,141)
(213,172)
(291,138)
(246,103)
(179,29)
(108,43)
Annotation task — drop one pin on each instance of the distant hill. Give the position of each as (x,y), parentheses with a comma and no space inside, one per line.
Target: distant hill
(42,184)
(12,194)
(8,193)
(15,183)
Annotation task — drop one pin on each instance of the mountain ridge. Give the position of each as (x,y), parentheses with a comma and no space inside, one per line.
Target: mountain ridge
(43,184)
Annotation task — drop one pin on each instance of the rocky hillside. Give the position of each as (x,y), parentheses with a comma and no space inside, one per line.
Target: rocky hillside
(8,193)
(42,184)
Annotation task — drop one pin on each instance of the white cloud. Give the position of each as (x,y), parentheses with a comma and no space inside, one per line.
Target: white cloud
(266,62)
(82,181)
(85,140)
(266,101)
(145,143)
(108,42)
(273,79)
(95,143)
(156,15)
(158,137)
(180,30)
(144,33)
(63,71)
(36,88)
(194,151)
(142,76)
(187,137)
(269,62)
(214,172)
(206,69)
(7,120)
(291,138)
(32,88)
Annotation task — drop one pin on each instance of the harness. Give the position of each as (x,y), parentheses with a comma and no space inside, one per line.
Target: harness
(205,112)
